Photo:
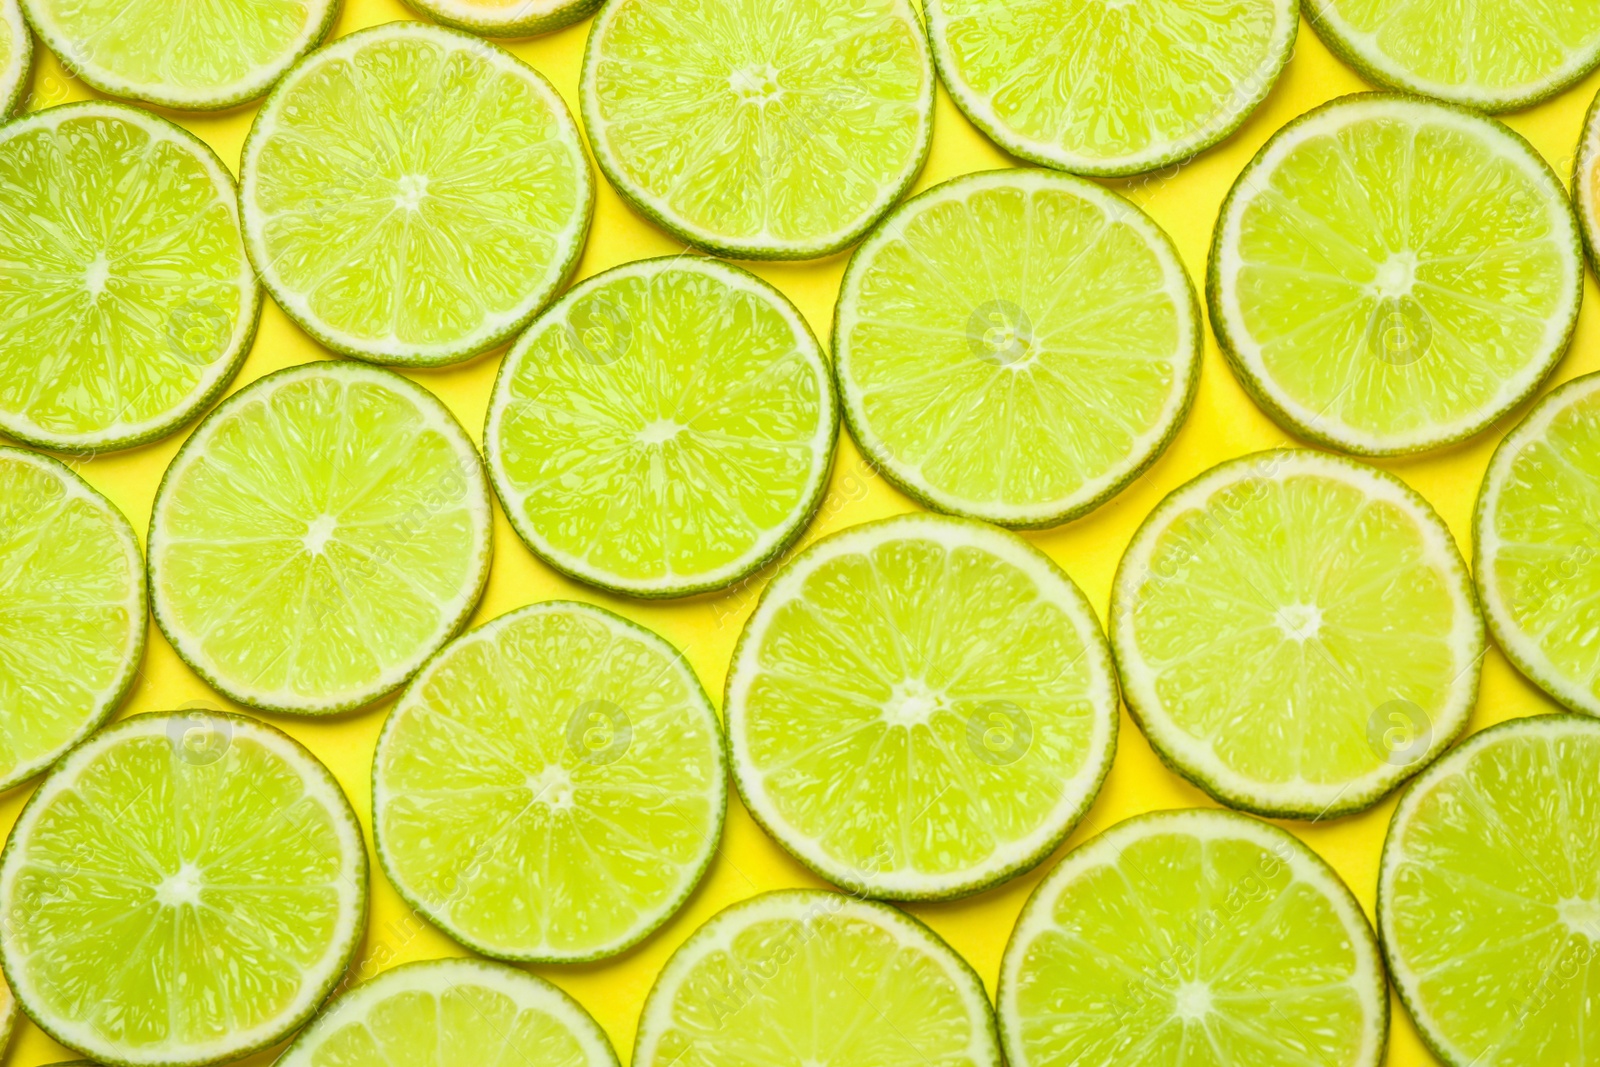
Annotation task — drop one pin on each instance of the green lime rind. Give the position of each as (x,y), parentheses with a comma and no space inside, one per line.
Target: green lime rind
(1029,516)
(482,340)
(1313,427)
(225,367)
(546,17)
(980,111)
(1586,182)
(346,943)
(1205,823)
(219,99)
(19,65)
(693,874)
(777,539)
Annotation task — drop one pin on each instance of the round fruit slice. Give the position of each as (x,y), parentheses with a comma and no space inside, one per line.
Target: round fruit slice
(8,1014)
(831,980)
(1586,181)
(1296,633)
(1489,896)
(16,56)
(506,18)
(72,611)
(321,534)
(183,889)
(551,787)
(414,195)
(199,56)
(1016,346)
(1391,275)
(760,130)
(474,1012)
(921,708)
(1493,57)
(665,429)
(1110,89)
(1202,938)
(116,326)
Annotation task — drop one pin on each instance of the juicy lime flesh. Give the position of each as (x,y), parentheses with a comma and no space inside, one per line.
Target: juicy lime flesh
(1397,275)
(664,426)
(70,613)
(547,789)
(128,276)
(758,121)
(414,193)
(1027,379)
(1278,618)
(1494,904)
(322,540)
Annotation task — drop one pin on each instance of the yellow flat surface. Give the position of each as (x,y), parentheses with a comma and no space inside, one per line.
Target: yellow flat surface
(1224,424)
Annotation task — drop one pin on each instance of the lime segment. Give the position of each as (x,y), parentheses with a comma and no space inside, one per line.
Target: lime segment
(666,428)
(16,56)
(506,18)
(8,1015)
(318,537)
(1586,180)
(1016,346)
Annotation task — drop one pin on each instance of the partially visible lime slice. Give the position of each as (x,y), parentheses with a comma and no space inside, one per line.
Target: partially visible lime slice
(185,888)
(506,18)
(1586,180)
(1296,633)
(318,537)
(665,429)
(755,129)
(72,611)
(831,980)
(8,1015)
(445,1013)
(1016,346)
(16,57)
(1110,88)
(116,326)
(1491,56)
(203,55)
(1202,938)
(551,787)
(414,195)
(1489,896)
(1391,275)
(921,708)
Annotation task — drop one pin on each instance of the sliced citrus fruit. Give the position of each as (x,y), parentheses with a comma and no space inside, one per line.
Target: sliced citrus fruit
(506,18)
(1016,346)
(665,429)
(1586,180)
(318,537)
(1296,633)
(921,707)
(16,56)
(72,611)
(1489,896)
(831,980)
(8,1014)
(551,787)
(1203,938)
(414,195)
(198,56)
(1110,89)
(116,326)
(1391,275)
(184,888)
(760,130)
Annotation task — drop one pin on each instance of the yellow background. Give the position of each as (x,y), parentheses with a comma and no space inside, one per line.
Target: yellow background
(1224,424)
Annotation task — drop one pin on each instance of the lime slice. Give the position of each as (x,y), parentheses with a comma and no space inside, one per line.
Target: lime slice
(831,980)
(1016,346)
(185,888)
(1203,938)
(16,56)
(318,537)
(665,429)
(1489,896)
(72,611)
(921,708)
(413,195)
(452,1012)
(1392,275)
(506,18)
(1110,89)
(116,327)
(1296,633)
(8,1015)
(1586,181)
(1493,57)
(551,787)
(201,56)
(760,130)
